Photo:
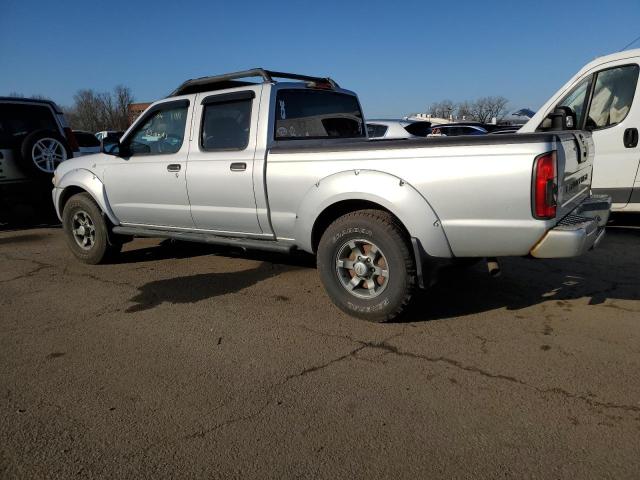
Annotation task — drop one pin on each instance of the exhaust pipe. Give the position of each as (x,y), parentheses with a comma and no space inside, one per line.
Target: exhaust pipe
(493,267)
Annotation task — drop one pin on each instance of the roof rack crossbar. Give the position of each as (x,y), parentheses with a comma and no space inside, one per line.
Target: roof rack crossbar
(267,77)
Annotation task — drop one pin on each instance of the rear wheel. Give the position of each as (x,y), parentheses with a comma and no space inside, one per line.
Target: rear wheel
(366,265)
(86,230)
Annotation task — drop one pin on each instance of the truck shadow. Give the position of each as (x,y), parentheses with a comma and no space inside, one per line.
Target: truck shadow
(194,288)
(607,274)
(604,275)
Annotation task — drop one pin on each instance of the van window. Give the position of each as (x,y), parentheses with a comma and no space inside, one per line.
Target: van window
(308,114)
(576,99)
(612,96)
(225,126)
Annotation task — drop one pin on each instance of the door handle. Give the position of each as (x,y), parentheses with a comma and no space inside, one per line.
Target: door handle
(238,167)
(630,138)
(174,167)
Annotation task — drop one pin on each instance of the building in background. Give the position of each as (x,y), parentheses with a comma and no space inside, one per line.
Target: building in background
(135,109)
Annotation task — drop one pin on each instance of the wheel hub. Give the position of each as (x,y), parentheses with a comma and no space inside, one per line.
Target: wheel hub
(362,268)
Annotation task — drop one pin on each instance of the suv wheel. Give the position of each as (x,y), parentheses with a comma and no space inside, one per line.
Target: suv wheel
(366,265)
(42,151)
(86,230)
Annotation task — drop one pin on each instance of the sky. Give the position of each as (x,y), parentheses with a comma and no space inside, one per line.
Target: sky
(398,56)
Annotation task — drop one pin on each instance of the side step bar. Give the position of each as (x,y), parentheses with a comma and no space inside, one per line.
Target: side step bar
(244,243)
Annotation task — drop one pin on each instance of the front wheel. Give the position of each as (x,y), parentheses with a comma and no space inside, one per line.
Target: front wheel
(366,265)
(86,230)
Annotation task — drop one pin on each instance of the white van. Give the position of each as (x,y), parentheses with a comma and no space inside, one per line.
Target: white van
(601,99)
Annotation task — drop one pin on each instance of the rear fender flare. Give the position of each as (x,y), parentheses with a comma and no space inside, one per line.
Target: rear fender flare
(386,190)
(88,182)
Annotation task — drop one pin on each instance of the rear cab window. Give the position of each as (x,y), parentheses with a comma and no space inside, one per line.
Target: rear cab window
(317,114)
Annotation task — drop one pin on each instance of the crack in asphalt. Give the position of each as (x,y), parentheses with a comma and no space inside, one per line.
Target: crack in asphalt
(392,349)
(40,266)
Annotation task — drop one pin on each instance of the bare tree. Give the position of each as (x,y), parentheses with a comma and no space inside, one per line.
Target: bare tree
(442,109)
(482,110)
(95,111)
(486,108)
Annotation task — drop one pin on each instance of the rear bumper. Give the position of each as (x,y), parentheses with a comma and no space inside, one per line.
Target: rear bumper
(577,233)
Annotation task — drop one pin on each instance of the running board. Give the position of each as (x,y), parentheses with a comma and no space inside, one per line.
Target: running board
(244,243)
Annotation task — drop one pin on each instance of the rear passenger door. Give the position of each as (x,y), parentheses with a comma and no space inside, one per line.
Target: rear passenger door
(221,162)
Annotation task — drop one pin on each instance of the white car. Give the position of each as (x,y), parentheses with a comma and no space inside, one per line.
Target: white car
(395,129)
(600,99)
(87,143)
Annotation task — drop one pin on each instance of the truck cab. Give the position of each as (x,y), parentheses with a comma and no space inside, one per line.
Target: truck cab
(602,98)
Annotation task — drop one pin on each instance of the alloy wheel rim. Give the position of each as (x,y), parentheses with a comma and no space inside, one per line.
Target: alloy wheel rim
(47,153)
(362,268)
(84,230)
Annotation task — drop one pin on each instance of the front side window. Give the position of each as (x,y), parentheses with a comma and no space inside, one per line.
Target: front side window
(576,99)
(162,132)
(226,125)
(612,96)
(308,114)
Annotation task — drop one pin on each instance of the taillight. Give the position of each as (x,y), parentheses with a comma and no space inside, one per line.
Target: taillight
(71,139)
(545,186)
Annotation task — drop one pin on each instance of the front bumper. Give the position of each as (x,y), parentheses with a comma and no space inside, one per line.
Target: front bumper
(578,232)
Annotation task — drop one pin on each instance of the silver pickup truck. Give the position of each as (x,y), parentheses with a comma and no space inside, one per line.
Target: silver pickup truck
(284,165)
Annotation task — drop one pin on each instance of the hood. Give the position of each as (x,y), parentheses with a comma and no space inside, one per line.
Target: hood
(85,162)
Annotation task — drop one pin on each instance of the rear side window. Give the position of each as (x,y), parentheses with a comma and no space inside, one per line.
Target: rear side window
(612,96)
(225,126)
(375,130)
(309,114)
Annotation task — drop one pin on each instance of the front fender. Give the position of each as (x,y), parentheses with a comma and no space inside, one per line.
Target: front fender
(384,189)
(87,181)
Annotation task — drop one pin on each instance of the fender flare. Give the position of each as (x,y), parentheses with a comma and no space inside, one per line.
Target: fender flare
(90,183)
(384,189)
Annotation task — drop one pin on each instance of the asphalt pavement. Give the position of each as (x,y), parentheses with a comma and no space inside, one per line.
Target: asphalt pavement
(190,361)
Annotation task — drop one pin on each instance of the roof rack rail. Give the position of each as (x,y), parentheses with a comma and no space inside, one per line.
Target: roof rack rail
(229,80)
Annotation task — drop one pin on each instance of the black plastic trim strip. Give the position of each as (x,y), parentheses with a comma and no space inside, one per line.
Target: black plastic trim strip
(338,145)
(229,97)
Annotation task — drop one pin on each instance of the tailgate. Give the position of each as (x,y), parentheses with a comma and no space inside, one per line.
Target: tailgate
(575,166)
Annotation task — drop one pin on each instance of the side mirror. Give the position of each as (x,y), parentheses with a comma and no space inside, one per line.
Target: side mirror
(110,146)
(563,118)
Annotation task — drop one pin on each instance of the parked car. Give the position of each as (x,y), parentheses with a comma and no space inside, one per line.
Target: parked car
(287,165)
(108,134)
(395,129)
(455,129)
(602,99)
(34,139)
(87,142)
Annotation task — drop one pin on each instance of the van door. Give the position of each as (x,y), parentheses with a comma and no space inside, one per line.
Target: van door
(614,119)
(221,162)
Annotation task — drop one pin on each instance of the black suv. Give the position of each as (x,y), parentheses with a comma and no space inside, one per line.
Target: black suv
(34,139)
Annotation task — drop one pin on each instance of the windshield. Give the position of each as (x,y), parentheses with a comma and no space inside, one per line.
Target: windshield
(309,114)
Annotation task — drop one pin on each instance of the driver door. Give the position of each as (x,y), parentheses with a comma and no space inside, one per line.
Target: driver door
(146,183)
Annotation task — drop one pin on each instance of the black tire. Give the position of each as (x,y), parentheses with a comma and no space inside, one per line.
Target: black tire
(39,167)
(382,230)
(80,206)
